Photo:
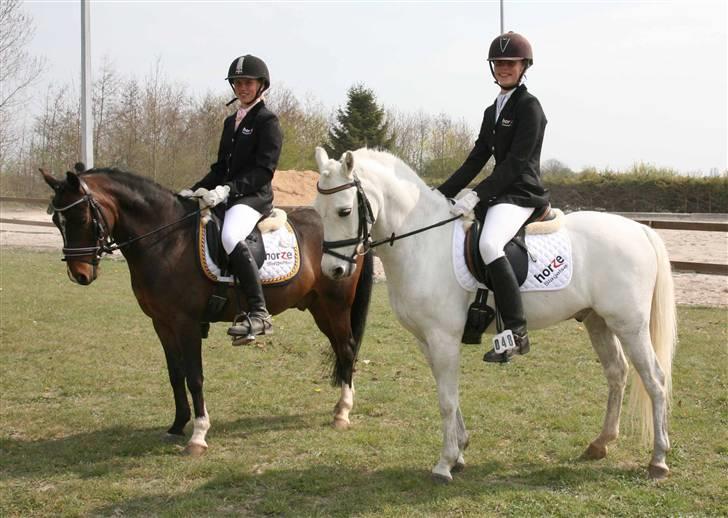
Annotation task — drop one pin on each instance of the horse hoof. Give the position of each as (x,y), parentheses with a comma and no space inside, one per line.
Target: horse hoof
(173,437)
(658,472)
(340,424)
(594,452)
(458,467)
(439,478)
(194,450)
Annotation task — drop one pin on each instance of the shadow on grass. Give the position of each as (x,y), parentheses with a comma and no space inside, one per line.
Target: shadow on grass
(327,490)
(92,453)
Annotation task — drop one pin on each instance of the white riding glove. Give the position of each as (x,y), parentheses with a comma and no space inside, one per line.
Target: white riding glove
(186,193)
(214,197)
(465,205)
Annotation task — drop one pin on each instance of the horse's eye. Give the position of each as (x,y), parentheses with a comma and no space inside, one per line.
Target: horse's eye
(344,212)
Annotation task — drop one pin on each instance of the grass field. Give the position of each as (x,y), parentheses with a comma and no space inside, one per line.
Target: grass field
(85,402)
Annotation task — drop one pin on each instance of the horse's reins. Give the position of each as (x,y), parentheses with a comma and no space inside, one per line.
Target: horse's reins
(363,239)
(105,243)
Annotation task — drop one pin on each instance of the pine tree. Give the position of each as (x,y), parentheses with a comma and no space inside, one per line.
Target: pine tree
(361,123)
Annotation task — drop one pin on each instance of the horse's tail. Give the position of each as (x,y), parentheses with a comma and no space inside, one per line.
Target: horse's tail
(663,333)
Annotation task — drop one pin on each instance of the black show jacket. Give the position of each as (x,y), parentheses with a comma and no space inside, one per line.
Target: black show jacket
(247,159)
(515,141)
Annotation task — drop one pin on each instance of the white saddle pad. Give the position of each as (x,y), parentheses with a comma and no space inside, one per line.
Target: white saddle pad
(282,257)
(549,262)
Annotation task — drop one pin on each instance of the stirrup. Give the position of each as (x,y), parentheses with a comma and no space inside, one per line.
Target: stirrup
(246,326)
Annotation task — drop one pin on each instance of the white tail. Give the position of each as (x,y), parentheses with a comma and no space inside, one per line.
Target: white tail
(663,332)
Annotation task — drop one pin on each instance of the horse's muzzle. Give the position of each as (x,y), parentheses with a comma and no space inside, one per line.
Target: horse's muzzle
(83,274)
(338,270)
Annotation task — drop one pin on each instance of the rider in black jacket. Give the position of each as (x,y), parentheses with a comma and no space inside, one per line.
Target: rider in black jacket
(247,158)
(512,132)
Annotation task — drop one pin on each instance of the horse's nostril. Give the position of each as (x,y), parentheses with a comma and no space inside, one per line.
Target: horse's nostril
(82,279)
(338,272)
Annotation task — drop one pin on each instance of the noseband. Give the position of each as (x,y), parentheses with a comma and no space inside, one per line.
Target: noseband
(363,239)
(103,238)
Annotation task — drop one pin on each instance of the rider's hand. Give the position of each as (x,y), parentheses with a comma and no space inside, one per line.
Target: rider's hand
(186,193)
(466,204)
(216,196)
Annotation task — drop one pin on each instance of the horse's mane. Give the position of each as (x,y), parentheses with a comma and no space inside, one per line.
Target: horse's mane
(138,189)
(385,158)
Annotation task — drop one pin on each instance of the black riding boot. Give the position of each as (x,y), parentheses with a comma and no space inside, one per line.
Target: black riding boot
(508,299)
(257,320)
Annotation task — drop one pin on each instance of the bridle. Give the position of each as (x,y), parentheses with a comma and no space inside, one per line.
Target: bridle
(105,242)
(363,241)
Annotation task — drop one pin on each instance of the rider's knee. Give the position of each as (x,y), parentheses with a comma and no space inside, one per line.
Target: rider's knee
(490,251)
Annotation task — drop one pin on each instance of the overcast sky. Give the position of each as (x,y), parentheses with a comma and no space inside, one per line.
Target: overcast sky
(620,81)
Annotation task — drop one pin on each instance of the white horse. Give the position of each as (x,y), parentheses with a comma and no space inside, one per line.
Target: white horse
(621,289)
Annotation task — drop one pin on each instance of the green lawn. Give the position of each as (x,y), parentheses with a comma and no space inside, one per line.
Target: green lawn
(85,403)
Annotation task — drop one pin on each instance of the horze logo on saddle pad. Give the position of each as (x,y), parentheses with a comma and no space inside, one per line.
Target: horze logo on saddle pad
(285,255)
(552,271)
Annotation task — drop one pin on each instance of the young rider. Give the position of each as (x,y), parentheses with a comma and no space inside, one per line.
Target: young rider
(247,158)
(512,132)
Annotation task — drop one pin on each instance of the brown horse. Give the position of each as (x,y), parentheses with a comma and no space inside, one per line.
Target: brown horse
(101,210)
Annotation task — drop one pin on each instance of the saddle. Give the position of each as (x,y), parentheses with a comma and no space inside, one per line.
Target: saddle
(516,250)
(480,315)
(209,236)
(213,238)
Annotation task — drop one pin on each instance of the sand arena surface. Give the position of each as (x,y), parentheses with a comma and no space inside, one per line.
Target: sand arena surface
(299,188)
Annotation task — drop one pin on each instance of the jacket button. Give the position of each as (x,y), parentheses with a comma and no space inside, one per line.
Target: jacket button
(492,148)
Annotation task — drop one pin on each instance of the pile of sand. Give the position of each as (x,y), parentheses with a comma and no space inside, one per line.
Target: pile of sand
(294,187)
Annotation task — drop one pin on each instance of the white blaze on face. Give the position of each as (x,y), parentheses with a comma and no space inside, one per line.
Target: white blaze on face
(62,225)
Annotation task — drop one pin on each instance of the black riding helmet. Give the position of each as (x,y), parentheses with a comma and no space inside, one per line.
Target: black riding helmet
(510,46)
(251,67)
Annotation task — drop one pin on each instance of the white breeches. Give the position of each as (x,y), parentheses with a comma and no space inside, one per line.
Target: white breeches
(240,220)
(502,221)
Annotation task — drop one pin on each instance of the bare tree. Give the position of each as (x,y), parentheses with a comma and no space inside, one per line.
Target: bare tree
(18,69)
(104,95)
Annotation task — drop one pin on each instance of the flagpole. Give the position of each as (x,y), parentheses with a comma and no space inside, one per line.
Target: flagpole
(87,122)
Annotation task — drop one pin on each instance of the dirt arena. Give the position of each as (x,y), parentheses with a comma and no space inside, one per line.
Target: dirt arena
(299,188)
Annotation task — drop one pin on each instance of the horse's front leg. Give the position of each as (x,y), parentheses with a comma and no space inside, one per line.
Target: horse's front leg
(176,371)
(444,358)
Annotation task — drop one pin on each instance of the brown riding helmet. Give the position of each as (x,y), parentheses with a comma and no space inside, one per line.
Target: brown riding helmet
(510,46)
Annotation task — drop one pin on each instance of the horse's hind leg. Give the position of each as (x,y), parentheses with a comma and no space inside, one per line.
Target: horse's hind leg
(615,369)
(638,347)
(338,331)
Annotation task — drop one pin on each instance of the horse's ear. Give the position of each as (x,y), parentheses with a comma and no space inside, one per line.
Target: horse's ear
(50,180)
(73,182)
(321,158)
(348,162)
